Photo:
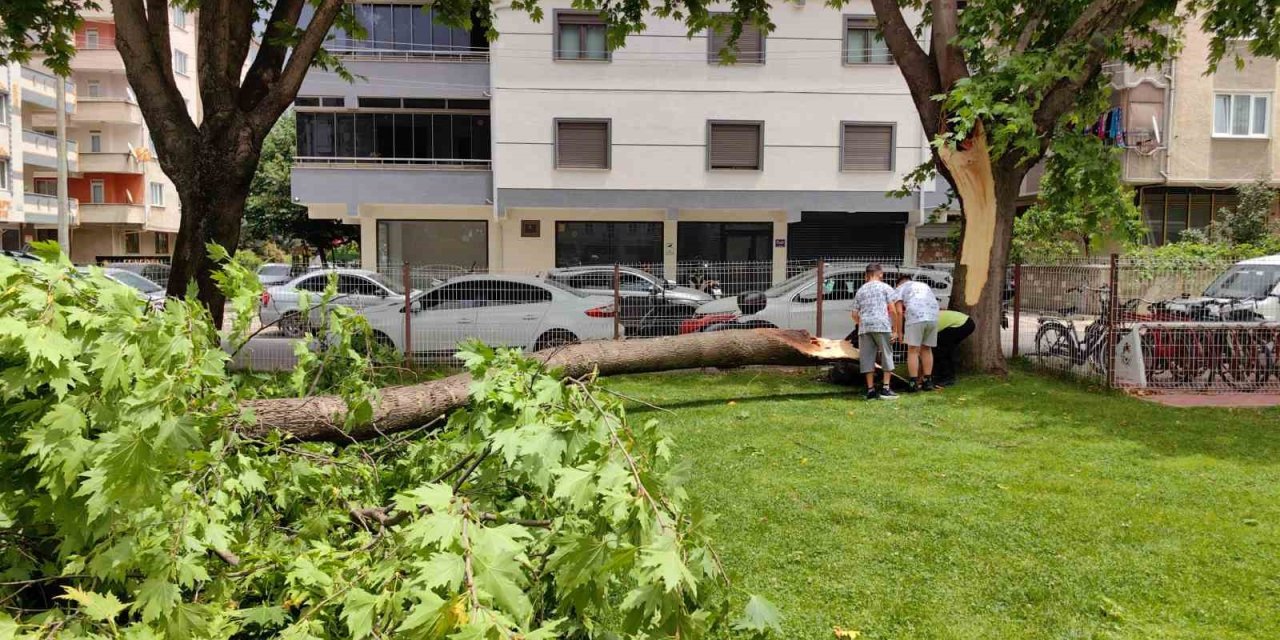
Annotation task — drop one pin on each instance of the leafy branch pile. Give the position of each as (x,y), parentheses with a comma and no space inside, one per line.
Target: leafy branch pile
(133,507)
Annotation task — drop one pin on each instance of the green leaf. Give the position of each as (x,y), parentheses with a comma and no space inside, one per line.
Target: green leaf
(428,611)
(759,616)
(576,486)
(357,611)
(97,606)
(435,497)
(156,597)
(8,628)
(662,558)
(265,617)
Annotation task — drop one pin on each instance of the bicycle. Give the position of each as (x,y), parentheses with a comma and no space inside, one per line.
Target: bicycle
(1057,336)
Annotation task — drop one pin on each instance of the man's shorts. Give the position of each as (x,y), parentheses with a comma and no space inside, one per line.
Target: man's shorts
(920,334)
(868,345)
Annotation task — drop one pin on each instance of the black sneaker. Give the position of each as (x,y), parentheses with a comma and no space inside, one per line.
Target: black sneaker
(928,385)
(912,387)
(887,394)
(872,394)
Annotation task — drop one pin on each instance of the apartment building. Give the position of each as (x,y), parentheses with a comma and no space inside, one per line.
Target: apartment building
(123,204)
(27,93)
(547,149)
(1190,137)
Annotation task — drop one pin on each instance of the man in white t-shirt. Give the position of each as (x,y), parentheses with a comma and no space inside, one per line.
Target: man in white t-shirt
(919,314)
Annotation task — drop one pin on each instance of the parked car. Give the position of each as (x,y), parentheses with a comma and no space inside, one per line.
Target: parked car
(147,290)
(792,304)
(20,256)
(513,311)
(154,271)
(632,282)
(651,306)
(1249,290)
(357,288)
(274,273)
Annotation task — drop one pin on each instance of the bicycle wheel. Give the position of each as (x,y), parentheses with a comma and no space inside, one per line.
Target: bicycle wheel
(1187,363)
(1246,358)
(1053,343)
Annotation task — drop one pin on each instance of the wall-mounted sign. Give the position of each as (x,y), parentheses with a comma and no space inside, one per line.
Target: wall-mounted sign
(780,242)
(530,228)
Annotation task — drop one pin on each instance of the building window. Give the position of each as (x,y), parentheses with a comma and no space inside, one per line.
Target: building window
(582,144)
(403,29)
(748,50)
(157,194)
(97,191)
(4,175)
(580,36)
(91,39)
(95,142)
(1241,115)
(459,243)
(319,101)
(408,138)
(179,18)
(862,42)
(1170,211)
(587,243)
(94,88)
(735,145)
(162,243)
(180,62)
(132,243)
(4,108)
(866,147)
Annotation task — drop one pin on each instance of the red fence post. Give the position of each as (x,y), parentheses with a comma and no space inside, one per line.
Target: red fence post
(1017,305)
(617,301)
(821,294)
(408,318)
(1113,316)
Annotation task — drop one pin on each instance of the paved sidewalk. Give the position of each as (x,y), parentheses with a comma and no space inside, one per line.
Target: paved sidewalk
(1222,400)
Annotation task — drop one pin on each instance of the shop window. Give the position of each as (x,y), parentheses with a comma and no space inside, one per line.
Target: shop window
(461,244)
(587,243)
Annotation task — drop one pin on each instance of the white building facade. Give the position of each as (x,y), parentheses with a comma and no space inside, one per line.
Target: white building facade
(560,152)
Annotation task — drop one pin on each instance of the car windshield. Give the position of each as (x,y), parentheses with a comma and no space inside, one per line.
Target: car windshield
(377,277)
(1245,281)
(136,281)
(555,284)
(790,283)
(273,270)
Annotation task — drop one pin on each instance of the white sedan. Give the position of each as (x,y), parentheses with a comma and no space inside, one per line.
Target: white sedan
(510,311)
(357,288)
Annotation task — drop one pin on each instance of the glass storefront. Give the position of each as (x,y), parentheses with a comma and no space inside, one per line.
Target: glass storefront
(458,243)
(631,243)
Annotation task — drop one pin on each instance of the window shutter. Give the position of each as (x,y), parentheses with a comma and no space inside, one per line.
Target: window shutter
(867,147)
(734,146)
(580,18)
(582,144)
(749,48)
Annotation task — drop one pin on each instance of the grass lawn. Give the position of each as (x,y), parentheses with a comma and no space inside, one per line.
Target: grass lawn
(1019,508)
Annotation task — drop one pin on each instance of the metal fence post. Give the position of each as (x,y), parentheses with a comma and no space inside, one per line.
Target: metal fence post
(821,294)
(1017,305)
(617,301)
(408,318)
(1113,296)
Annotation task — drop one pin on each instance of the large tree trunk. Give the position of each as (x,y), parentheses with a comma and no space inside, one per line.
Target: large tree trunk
(212,194)
(320,418)
(988,192)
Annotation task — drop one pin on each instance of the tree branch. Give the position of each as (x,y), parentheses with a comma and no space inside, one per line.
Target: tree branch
(950,59)
(280,93)
(271,53)
(917,68)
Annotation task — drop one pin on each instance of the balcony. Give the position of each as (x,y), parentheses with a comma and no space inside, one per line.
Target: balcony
(98,54)
(41,89)
(109,110)
(41,150)
(6,205)
(112,213)
(101,14)
(391,181)
(111,162)
(42,209)
(163,219)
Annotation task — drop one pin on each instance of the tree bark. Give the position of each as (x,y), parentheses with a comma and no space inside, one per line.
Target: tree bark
(988,192)
(320,418)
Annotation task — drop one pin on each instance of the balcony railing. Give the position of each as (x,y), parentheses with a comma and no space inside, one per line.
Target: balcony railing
(428,163)
(41,208)
(45,142)
(95,44)
(42,79)
(356,52)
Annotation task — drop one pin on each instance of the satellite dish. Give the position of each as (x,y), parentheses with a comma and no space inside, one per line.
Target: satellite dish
(1155,126)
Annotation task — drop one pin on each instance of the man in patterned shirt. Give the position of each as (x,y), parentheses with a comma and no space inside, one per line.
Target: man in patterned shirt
(920,331)
(875,311)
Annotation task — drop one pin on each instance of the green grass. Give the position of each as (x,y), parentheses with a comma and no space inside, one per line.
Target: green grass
(1019,508)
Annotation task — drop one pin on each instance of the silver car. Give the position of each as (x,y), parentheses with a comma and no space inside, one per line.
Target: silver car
(597,280)
(147,290)
(274,273)
(357,288)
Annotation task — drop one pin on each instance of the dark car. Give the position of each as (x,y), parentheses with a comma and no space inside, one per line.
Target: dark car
(154,271)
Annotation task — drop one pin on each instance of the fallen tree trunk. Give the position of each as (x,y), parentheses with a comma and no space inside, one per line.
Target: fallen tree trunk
(320,418)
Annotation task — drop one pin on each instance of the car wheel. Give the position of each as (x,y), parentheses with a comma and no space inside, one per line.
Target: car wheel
(291,325)
(555,338)
(377,346)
